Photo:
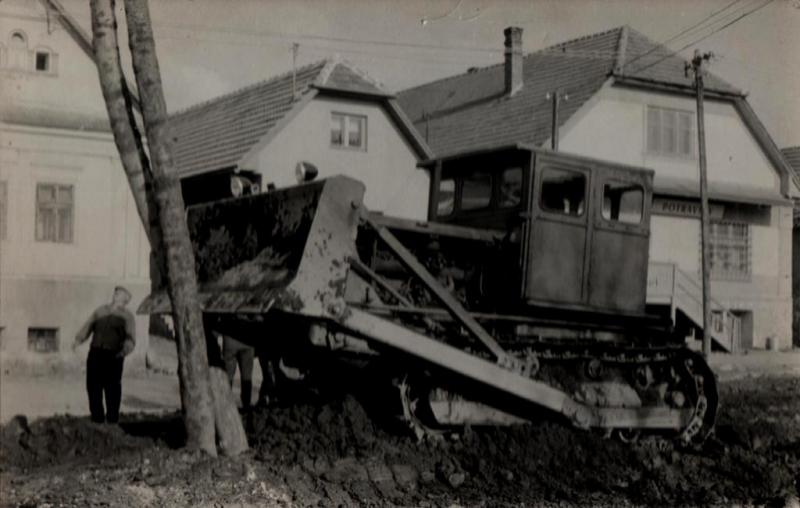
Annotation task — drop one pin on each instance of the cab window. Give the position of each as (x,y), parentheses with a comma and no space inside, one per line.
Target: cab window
(623,202)
(563,191)
(446,197)
(476,191)
(510,187)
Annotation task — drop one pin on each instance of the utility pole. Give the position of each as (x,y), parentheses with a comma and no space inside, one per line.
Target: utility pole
(697,68)
(556,97)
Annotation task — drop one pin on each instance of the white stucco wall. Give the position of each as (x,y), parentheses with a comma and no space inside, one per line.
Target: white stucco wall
(394,184)
(57,285)
(734,157)
(47,284)
(73,87)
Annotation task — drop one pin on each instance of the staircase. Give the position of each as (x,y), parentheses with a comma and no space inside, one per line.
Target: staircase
(668,285)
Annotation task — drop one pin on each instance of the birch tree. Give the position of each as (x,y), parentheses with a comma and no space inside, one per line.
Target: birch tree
(209,411)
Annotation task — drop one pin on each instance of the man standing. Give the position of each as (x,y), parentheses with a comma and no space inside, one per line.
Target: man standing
(235,352)
(112,328)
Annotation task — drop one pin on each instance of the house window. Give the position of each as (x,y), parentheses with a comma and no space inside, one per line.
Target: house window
(623,202)
(42,61)
(43,340)
(729,244)
(349,131)
(54,213)
(3,209)
(18,51)
(563,191)
(670,132)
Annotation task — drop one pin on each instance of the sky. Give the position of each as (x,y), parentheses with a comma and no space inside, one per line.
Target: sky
(210,47)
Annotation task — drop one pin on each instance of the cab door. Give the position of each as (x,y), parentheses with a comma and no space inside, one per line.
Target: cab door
(557,242)
(620,240)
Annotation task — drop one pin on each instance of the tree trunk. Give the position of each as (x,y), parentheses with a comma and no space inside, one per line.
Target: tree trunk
(160,205)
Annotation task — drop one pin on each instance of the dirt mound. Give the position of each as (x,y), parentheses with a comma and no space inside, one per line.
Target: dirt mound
(63,439)
(332,452)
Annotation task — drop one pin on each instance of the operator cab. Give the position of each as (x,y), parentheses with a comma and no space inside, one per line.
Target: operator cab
(579,227)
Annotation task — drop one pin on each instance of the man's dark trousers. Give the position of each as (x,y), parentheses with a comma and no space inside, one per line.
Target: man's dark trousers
(104,375)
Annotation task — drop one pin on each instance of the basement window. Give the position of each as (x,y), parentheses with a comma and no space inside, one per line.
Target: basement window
(43,340)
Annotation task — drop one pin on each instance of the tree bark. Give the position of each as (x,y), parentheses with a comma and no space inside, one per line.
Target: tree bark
(195,386)
(159,202)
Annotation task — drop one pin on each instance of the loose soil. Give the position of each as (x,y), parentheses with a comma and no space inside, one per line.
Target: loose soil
(327,451)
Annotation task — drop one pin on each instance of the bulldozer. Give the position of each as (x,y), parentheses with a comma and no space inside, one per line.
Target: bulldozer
(521,297)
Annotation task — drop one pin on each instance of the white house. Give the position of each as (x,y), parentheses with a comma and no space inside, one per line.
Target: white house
(329,114)
(69,231)
(623,97)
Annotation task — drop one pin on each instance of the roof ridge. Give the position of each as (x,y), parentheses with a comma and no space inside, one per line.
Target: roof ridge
(274,79)
(363,75)
(584,37)
(532,53)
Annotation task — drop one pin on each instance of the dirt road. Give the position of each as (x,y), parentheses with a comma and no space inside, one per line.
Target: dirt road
(327,451)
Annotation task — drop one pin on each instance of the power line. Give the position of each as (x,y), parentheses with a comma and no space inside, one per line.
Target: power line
(324,50)
(582,54)
(285,35)
(739,18)
(345,40)
(682,32)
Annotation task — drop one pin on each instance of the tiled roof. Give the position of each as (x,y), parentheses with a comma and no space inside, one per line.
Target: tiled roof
(647,60)
(216,134)
(471,111)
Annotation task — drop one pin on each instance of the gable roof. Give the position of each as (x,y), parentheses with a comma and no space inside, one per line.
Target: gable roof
(221,133)
(471,110)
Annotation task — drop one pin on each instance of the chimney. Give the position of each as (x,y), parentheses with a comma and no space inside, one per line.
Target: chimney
(513,59)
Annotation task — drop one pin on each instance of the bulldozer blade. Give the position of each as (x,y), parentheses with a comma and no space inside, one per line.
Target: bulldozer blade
(285,250)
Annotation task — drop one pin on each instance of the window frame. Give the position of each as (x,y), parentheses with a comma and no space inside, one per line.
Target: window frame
(347,117)
(654,142)
(453,199)
(501,179)
(52,61)
(18,53)
(617,222)
(33,340)
(471,177)
(56,208)
(727,244)
(557,213)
